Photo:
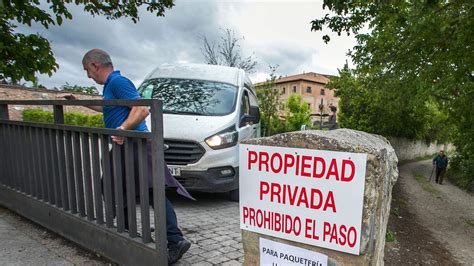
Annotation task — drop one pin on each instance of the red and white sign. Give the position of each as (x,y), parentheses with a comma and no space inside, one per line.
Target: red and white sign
(309,196)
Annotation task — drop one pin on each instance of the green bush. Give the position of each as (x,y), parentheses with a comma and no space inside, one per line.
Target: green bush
(75,119)
(460,169)
(95,120)
(37,115)
(72,118)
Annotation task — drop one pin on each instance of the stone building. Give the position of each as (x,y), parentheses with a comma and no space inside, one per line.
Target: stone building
(311,87)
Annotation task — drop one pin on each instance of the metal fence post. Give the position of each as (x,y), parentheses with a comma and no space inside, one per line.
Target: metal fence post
(4,111)
(158,166)
(58,114)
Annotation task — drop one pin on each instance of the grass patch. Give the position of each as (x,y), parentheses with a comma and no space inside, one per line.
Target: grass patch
(461,179)
(420,158)
(469,222)
(395,211)
(426,157)
(390,236)
(426,185)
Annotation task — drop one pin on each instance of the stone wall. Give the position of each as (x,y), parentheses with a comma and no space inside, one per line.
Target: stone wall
(8,92)
(381,175)
(407,149)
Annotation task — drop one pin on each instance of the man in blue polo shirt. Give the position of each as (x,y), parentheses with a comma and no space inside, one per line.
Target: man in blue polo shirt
(99,67)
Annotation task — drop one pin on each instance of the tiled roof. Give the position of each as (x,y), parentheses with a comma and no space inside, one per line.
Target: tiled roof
(310,76)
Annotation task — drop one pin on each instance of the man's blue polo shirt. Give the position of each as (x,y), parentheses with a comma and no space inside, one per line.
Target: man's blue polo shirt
(118,87)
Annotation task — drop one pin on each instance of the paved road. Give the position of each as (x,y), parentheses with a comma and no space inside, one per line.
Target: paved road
(17,248)
(24,243)
(212,225)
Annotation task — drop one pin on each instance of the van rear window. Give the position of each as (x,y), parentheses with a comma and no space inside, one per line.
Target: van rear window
(188,96)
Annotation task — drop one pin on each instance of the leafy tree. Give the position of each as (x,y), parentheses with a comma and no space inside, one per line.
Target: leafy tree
(227,52)
(269,102)
(35,84)
(388,112)
(463,117)
(297,113)
(422,48)
(440,127)
(21,55)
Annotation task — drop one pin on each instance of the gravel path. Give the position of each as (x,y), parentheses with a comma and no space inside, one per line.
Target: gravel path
(445,210)
(23,242)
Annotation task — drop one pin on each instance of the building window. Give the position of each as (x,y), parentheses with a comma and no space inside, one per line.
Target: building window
(323,92)
(283,91)
(294,89)
(308,89)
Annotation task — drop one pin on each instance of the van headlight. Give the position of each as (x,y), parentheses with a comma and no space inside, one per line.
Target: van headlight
(224,139)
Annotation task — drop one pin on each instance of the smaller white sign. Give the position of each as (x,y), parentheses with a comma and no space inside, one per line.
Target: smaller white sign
(277,254)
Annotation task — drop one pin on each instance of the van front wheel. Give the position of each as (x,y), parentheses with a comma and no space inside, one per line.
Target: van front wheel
(234,195)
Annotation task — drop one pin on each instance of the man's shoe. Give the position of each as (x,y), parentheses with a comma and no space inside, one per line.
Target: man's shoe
(175,252)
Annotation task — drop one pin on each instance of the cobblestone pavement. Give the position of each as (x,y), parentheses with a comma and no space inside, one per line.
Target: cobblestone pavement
(212,225)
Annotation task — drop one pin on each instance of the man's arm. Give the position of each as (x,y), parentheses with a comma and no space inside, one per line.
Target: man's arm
(70,96)
(136,116)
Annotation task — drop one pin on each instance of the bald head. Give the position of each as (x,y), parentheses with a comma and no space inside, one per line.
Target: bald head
(97,56)
(98,65)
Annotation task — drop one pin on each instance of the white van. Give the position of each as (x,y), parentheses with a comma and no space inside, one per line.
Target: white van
(207,111)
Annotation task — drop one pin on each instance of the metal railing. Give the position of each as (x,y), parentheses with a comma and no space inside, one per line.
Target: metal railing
(67,179)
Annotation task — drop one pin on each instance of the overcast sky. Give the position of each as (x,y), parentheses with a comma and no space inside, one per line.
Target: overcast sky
(276,32)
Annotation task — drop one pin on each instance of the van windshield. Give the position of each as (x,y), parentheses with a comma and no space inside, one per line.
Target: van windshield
(187,96)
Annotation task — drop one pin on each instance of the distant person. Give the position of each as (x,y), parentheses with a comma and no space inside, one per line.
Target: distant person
(441,163)
(99,67)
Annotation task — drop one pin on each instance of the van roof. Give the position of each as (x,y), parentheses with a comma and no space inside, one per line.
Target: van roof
(200,72)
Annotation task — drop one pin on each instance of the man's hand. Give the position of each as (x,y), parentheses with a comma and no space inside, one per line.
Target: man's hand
(70,96)
(67,96)
(119,139)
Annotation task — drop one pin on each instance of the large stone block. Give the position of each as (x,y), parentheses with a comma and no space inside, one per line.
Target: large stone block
(381,175)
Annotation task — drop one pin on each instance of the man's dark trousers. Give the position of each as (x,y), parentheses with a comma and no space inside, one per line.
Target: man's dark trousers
(440,174)
(173,233)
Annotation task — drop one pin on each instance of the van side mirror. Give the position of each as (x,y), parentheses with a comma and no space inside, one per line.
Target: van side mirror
(252,118)
(255,112)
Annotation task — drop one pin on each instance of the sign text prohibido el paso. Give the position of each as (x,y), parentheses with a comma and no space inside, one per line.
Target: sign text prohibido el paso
(309,196)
